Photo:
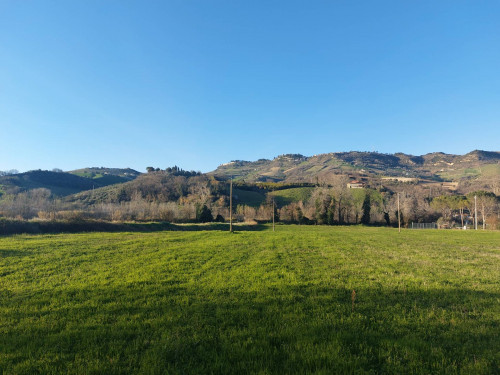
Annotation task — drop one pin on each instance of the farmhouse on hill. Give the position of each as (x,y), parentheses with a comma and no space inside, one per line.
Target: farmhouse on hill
(355,184)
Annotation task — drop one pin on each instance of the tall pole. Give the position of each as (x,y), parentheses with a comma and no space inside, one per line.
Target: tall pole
(231,205)
(273,214)
(475,212)
(399,217)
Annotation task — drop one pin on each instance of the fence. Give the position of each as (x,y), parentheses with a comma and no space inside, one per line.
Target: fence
(424,226)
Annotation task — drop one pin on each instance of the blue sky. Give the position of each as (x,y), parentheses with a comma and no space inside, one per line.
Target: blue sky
(199,83)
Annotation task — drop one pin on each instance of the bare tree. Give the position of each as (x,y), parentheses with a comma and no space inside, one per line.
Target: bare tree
(486,203)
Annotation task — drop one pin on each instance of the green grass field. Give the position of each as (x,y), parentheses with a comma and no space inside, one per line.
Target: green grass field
(250,198)
(261,302)
(288,196)
(102,179)
(489,170)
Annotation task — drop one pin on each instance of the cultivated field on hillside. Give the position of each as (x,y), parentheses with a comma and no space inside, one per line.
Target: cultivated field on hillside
(303,299)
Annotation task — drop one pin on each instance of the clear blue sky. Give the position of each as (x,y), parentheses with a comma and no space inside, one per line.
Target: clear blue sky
(199,83)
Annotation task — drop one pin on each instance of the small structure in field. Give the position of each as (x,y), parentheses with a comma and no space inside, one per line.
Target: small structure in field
(356,184)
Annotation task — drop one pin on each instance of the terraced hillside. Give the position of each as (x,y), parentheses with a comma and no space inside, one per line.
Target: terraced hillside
(432,167)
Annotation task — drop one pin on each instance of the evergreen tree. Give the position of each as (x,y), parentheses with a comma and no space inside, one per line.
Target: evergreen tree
(205,215)
(365,219)
(387,218)
(331,211)
(122,195)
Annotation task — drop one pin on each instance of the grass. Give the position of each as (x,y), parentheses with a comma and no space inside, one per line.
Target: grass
(315,168)
(102,179)
(459,173)
(258,302)
(86,174)
(288,196)
(37,226)
(250,198)
(488,170)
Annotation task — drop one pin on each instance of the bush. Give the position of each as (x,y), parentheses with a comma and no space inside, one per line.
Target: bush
(205,215)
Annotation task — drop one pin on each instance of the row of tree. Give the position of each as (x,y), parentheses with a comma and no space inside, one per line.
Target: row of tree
(167,197)
(174,171)
(465,207)
(9,172)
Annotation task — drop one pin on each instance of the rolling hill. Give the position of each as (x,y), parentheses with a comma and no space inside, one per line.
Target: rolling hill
(65,183)
(99,172)
(107,176)
(365,165)
(472,171)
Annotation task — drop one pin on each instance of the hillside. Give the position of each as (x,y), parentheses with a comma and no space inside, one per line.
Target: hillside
(105,175)
(439,167)
(473,171)
(59,183)
(162,186)
(63,183)
(156,186)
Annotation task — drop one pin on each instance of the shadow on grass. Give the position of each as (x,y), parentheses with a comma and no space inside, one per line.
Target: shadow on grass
(12,253)
(9,227)
(163,328)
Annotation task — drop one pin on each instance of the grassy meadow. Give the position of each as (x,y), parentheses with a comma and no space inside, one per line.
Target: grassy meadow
(288,196)
(260,302)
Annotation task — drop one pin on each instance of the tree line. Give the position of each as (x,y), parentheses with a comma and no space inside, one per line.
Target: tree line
(464,207)
(9,172)
(174,171)
(175,197)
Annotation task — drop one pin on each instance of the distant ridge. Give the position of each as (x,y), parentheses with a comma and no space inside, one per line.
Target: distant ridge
(298,168)
(65,183)
(97,172)
(476,169)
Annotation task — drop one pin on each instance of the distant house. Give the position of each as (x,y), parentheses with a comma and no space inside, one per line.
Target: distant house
(355,185)
(450,185)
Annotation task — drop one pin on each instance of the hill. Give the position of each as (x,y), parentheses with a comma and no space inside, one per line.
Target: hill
(475,170)
(107,176)
(369,166)
(59,183)
(65,183)
(155,186)
(162,186)
(299,174)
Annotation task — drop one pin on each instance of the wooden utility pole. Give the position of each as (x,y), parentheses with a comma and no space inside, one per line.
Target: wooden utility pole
(475,212)
(399,217)
(231,205)
(273,214)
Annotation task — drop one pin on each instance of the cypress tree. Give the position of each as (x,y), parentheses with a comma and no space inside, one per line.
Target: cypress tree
(365,219)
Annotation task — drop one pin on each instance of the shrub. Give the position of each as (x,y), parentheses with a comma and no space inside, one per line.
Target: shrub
(205,215)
